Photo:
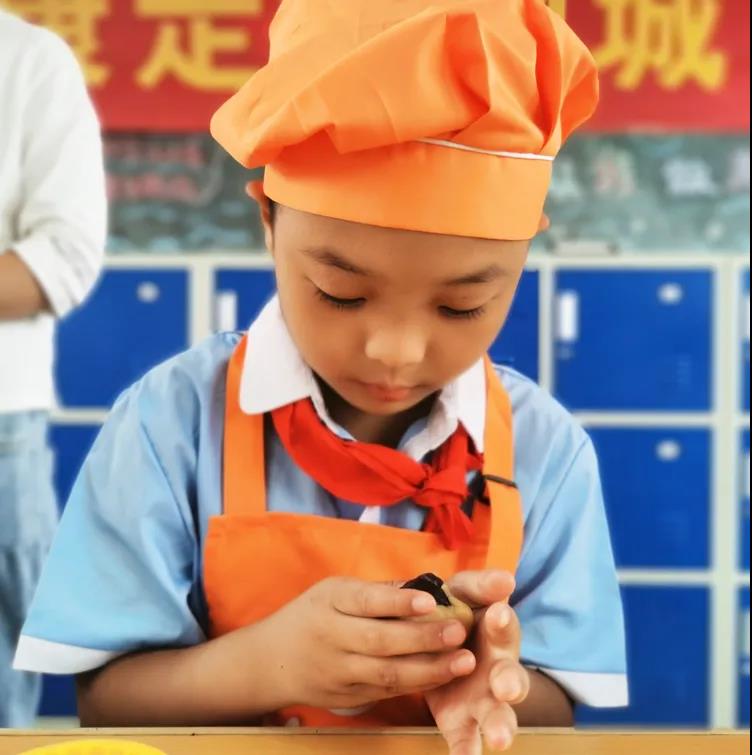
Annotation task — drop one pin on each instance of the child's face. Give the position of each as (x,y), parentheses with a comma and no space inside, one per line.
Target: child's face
(388,317)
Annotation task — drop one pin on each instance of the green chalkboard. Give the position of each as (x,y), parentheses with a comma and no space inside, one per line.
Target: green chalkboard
(182,193)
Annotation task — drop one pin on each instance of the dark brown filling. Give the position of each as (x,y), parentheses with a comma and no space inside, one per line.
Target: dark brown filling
(431,584)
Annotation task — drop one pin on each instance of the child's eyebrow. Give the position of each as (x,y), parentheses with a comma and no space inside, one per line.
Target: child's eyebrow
(488,275)
(327,256)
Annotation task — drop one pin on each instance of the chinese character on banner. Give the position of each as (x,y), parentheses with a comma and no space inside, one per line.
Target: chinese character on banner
(189,42)
(670,38)
(76,21)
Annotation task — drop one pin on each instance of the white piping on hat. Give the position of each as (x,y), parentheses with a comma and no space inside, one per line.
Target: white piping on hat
(493,153)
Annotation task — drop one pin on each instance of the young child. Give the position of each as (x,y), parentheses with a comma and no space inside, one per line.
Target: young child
(234,548)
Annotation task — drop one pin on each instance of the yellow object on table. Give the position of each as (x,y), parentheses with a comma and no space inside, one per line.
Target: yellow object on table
(95,747)
(378,742)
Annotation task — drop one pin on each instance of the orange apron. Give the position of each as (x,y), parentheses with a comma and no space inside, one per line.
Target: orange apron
(301,549)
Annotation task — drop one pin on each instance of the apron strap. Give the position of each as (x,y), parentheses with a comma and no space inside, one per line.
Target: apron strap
(244,468)
(505,541)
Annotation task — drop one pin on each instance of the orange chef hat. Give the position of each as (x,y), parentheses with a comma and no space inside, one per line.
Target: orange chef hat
(430,115)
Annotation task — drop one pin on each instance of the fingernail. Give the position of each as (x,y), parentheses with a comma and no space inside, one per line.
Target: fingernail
(423,604)
(503,741)
(463,665)
(453,634)
(505,616)
(507,690)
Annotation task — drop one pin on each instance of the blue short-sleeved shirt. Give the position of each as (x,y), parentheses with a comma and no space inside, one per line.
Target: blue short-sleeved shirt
(125,571)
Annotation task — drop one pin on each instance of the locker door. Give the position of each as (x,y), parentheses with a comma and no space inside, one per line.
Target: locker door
(134,320)
(744,501)
(71,444)
(239,295)
(667,646)
(657,487)
(634,339)
(518,343)
(743,634)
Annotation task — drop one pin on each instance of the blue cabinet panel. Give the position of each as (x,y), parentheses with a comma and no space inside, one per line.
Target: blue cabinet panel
(744,501)
(134,320)
(239,297)
(71,444)
(743,633)
(668,650)
(657,488)
(634,339)
(519,342)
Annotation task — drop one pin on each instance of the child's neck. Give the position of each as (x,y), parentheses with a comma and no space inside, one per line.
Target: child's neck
(373,428)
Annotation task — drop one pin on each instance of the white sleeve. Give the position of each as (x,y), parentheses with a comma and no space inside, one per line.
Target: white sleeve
(62,223)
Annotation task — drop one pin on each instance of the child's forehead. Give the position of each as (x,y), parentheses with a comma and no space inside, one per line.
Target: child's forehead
(357,247)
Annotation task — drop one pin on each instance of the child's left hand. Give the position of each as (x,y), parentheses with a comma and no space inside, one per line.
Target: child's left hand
(479,708)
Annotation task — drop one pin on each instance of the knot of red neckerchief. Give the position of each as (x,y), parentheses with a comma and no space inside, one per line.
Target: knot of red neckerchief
(375,475)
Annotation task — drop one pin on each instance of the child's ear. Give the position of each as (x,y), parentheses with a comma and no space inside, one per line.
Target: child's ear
(255,190)
(545,223)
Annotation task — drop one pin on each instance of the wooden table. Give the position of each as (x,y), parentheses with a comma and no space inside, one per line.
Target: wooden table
(391,742)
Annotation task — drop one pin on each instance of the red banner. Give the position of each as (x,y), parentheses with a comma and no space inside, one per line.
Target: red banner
(166,65)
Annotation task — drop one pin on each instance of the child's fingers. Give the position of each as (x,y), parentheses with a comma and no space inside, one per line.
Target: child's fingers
(393,677)
(354,597)
(482,588)
(501,628)
(465,740)
(383,639)
(510,682)
(498,725)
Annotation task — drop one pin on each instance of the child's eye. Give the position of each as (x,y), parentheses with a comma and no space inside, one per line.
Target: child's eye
(462,314)
(339,303)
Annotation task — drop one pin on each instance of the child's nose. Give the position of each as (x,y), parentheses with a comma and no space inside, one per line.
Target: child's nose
(396,346)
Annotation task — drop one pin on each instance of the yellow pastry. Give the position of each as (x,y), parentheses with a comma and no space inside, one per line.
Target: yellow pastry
(447,605)
(96,747)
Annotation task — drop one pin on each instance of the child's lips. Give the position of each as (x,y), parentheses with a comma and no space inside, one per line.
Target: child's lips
(389,393)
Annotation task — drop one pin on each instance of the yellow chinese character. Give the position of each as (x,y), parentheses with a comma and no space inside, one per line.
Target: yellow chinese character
(76,22)
(669,37)
(560,6)
(197,65)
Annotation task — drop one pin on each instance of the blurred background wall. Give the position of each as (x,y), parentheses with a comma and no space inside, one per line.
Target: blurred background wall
(634,312)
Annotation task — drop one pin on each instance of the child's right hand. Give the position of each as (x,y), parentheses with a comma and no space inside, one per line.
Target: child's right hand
(340,645)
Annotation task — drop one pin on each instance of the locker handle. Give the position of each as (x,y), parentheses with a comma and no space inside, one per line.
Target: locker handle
(568,317)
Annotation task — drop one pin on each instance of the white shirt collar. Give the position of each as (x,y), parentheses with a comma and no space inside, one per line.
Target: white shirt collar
(274,375)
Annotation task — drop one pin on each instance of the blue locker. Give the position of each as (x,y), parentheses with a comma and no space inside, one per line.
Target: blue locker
(58,697)
(134,320)
(240,295)
(657,487)
(745,342)
(71,444)
(743,631)
(634,339)
(744,501)
(518,343)
(668,646)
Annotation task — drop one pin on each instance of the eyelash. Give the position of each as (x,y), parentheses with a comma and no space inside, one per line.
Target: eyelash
(341,304)
(463,314)
(351,304)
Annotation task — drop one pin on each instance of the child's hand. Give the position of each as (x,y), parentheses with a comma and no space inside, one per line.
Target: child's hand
(479,707)
(337,648)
